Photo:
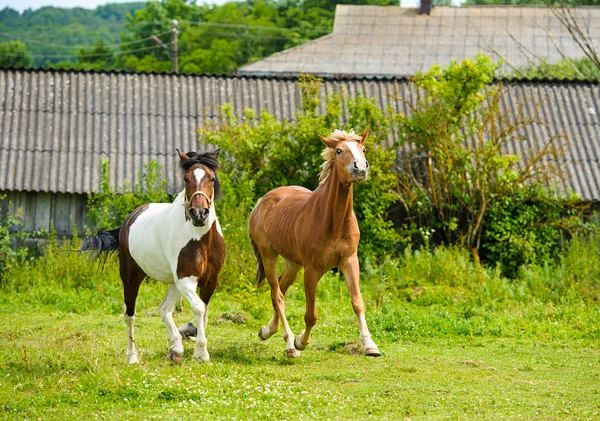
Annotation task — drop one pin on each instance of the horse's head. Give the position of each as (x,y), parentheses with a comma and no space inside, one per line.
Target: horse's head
(201,184)
(345,154)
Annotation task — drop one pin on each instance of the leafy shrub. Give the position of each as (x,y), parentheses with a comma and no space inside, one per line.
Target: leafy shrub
(527,227)
(109,207)
(10,256)
(457,180)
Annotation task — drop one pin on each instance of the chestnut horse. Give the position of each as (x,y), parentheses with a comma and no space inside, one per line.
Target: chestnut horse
(177,243)
(316,230)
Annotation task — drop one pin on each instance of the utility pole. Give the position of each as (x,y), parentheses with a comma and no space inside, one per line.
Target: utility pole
(174,51)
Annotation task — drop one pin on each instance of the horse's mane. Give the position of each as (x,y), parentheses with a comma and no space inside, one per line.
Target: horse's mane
(204,158)
(329,153)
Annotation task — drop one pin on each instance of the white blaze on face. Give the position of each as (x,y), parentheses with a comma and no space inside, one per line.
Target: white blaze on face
(361,162)
(198,176)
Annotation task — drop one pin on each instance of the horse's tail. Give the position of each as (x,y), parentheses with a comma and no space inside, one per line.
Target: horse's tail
(260,268)
(105,241)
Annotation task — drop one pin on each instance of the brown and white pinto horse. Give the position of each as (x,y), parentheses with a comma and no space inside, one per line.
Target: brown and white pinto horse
(316,230)
(177,243)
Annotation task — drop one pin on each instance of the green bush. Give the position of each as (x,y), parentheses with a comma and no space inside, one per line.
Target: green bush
(528,227)
(108,207)
(10,256)
(458,183)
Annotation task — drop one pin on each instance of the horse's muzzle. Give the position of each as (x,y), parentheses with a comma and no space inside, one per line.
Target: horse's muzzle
(199,216)
(360,174)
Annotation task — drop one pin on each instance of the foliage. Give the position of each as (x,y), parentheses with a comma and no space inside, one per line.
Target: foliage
(566,68)
(520,230)
(108,207)
(56,34)
(100,57)
(11,257)
(14,54)
(458,179)
(274,153)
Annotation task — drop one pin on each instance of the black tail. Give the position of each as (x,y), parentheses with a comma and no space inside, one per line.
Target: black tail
(260,269)
(106,241)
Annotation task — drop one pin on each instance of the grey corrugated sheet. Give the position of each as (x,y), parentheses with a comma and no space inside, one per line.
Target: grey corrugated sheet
(56,125)
(389,40)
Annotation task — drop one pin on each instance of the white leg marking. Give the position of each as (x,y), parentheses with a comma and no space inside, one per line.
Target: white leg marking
(267,331)
(166,313)
(365,336)
(132,356)
(187,288)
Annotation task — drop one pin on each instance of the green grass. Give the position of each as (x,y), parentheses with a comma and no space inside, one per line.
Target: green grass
(459,341)
(451,361)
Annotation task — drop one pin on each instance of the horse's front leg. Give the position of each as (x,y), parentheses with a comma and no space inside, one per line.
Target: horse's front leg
(166,313)
(351,270)
(187,288)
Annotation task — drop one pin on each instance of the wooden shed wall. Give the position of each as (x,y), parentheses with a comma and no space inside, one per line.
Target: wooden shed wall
(45,211)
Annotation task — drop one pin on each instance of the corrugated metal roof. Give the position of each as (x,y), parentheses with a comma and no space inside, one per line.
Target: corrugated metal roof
(56,125)
(389,40)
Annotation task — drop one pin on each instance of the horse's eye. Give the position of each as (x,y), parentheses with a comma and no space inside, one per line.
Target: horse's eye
(185,179)
(212,180)
(338,151)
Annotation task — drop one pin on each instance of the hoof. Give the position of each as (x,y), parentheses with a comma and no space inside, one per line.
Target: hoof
(133,359)
(201,359)
(292,353)
(175,357)
(372,352)
(262,335)
(298,344)
(188,330)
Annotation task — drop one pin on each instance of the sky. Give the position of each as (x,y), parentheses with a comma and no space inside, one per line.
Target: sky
(21,5)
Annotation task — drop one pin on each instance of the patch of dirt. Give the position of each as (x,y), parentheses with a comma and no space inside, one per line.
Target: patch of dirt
(354,348)
(471,363)
(152,312)
(229,317)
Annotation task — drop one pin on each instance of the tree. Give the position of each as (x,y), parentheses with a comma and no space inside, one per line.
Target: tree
(14,54)
(100,57)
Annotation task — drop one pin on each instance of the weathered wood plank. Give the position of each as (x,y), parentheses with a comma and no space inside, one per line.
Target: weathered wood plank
(42,211)
(29,210)
(62,215)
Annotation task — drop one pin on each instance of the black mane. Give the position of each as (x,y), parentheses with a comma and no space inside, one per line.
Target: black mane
(204,158)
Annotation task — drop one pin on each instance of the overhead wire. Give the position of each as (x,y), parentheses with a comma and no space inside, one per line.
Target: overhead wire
(90,55)
(45,44)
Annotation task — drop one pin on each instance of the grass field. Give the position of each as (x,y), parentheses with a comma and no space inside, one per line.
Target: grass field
(512,360)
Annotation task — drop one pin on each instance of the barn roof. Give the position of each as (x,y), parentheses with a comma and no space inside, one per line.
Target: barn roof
(56,125)
(393,41)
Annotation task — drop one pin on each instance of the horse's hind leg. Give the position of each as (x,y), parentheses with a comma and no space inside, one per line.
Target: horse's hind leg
(166,313)
(131,287)
(270,265)
(287,278)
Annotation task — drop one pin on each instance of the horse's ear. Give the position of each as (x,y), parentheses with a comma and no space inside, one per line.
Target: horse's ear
(330,143)
(182,156)
(214,154)
(364,136)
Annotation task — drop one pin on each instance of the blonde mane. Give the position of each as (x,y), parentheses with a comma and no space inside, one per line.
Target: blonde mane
(329,153)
